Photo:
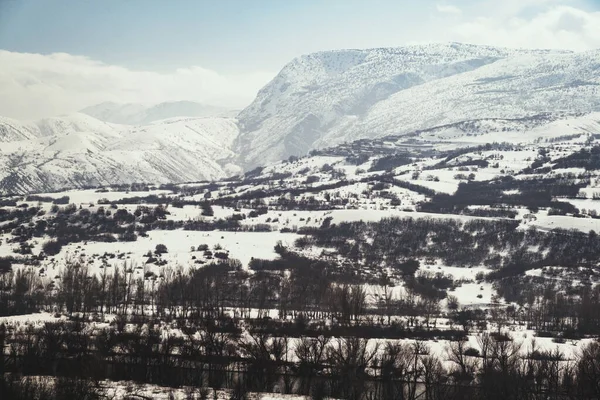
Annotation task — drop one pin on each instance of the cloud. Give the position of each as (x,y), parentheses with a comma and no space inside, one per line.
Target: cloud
(448,9)
(35,85)
(552,26)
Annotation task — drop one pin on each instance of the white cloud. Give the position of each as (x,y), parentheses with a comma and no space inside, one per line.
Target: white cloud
(448,9)
(553,26)
(34,85)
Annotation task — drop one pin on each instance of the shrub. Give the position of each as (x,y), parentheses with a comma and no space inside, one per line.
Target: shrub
(471,351)
(127,237)
(160,249)
(61,200)
(207,210)
(311,179)
(409,267)
(5,265)
(52,247)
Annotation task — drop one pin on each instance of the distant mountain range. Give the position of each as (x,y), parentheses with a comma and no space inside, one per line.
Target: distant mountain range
(139,114)
(439,94)
(78,151)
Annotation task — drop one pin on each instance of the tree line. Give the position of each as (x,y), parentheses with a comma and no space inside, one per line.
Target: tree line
(350,367)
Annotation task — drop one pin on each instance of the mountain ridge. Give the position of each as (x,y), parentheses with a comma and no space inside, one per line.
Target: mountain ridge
(308,106)
(79,150)
(140,114)
(443,95)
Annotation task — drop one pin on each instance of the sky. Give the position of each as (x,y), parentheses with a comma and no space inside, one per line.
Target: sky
(59,56)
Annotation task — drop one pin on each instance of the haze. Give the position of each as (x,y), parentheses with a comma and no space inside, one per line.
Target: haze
(58,57)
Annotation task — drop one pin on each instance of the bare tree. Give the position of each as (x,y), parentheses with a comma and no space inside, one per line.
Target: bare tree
(349,359)
(311,353)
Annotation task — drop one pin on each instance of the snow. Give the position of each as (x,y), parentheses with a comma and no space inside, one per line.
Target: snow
(300,218)
(141,114)
(78,150)
(455,95)
(372,93)
(550,222)
(460,95)
(523,337)
(240,245)
(456,272)
(28,318)
(446,184)
(87,196)
(188,212)
(585,204)
(467,294)
(122,389)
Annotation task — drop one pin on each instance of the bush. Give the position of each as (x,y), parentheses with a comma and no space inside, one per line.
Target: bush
(5,265)
(160,249)
(61,200)
(311,179)
(471,351)
(326,222)
(52,247)
(408,268)
(207,210)
(221,255)
(388,163)
(127,237)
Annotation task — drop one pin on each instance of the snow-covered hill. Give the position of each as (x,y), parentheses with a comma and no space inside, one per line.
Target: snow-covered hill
(139,114)
(78,151)
(323,99)
(11,130)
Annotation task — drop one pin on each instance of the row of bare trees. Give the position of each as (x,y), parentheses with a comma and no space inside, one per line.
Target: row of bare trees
(204,292)
(311,292)
(350,368)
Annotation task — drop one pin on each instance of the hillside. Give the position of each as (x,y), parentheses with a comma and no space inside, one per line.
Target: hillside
(80,151)
(324,99)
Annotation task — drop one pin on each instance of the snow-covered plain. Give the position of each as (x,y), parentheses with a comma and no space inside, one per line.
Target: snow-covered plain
(242,246)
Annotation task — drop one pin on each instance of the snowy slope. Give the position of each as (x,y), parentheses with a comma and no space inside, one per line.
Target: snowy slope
(78,150)
(515,87)
(327,98)
(13,130)
(541,127)
(139,114)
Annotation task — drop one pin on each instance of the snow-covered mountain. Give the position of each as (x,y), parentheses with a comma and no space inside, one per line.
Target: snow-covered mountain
(11,130)
(429,96)
(78,151)
(139,114)
(323,99)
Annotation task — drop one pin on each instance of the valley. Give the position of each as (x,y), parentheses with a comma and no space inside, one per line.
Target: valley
(413,222)
(372,250)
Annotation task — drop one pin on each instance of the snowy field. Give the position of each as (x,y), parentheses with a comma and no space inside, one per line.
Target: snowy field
(239,245)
